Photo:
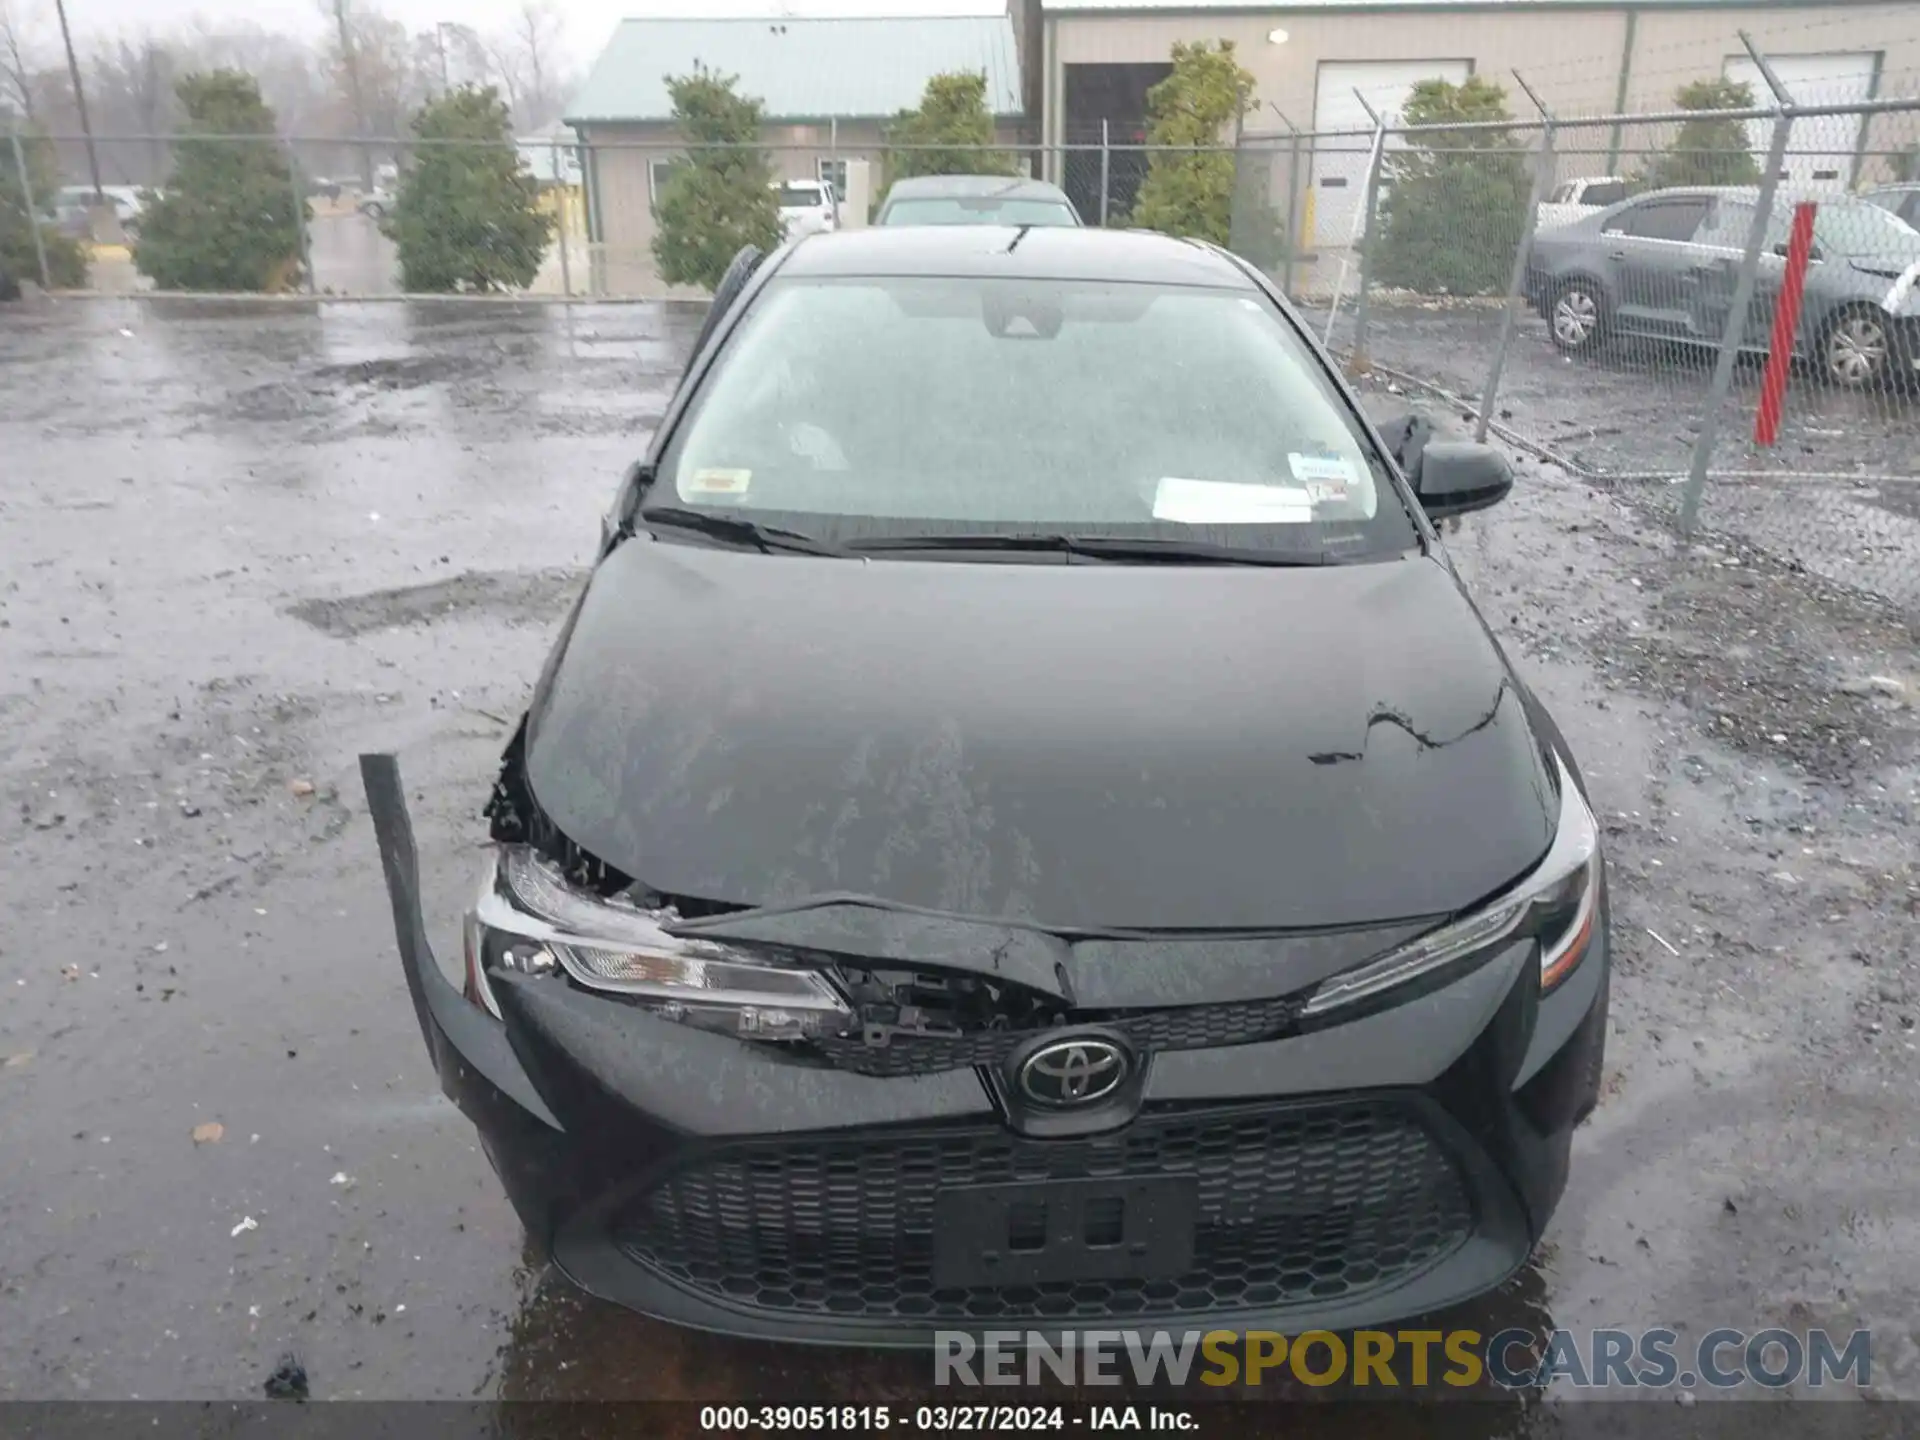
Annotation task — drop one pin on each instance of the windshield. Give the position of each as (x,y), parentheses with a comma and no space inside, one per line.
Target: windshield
(1860,229)
(800,197)
(978,210)
(851,409)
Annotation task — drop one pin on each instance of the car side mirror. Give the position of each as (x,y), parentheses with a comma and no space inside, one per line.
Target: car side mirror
(1406,440)
(1458,477)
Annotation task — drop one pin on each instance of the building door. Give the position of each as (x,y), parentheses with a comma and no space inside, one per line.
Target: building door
(1340,161)
(1109,100)
(1823,150)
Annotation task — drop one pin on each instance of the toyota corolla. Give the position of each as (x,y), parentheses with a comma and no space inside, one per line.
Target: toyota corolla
(1023,826)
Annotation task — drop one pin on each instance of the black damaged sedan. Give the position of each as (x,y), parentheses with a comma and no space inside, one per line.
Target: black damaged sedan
(1024,828)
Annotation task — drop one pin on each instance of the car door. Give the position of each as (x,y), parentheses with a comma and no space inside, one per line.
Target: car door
(1718,247)
(1650,259)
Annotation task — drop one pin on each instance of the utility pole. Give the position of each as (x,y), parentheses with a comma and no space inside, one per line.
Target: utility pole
(80,101)
(440,36)
(351,59)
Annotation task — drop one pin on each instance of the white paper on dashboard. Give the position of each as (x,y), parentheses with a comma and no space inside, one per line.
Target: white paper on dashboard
(1215,502)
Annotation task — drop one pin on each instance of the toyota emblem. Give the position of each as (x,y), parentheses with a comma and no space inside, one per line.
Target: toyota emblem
(1073,1072)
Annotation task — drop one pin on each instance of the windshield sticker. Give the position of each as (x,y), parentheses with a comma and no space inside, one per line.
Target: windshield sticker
(1328,479)
(1212,502)
(719,482)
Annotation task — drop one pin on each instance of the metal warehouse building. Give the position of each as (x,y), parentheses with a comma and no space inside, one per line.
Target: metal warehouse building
(1584,58)
(1068,79)
(826,86)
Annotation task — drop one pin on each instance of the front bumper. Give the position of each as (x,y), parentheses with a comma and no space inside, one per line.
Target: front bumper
(1350,1176)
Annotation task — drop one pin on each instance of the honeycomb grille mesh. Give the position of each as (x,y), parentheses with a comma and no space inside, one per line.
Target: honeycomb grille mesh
(1293,1206)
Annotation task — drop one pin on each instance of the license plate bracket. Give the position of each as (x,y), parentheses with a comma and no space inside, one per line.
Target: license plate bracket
(1063,1230)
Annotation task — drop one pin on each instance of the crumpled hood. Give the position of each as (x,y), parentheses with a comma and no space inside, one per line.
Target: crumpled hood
(1137,746)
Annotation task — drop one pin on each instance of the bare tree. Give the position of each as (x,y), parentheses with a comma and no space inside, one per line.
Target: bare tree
(376,72)
(392,83)
(452,55)
(291,75)
(16,69)
(132,86)
(346,61)
(527,57)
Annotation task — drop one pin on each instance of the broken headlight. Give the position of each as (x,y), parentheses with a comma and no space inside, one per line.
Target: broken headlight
(1558,903)
(528,919)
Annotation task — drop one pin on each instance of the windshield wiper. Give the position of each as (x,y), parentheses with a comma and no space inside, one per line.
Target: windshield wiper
(766,538)
(1104,547)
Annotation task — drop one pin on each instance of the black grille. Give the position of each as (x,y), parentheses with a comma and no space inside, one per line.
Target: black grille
(1294,1205)
(1192,1027)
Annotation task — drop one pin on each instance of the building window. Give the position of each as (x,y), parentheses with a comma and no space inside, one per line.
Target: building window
(658,168)
(834,173)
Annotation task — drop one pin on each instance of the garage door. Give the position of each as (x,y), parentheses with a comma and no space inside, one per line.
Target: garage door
(1340,166)
(1822,148)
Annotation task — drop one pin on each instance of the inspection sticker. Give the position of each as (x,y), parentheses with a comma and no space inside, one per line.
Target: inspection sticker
(719,482)
(1327,478)
(1214,502)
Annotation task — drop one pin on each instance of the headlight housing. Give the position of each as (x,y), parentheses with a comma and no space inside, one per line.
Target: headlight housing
(1559,902)
(529,919)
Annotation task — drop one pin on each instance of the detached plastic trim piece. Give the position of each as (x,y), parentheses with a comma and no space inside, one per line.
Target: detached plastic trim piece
(457,1033)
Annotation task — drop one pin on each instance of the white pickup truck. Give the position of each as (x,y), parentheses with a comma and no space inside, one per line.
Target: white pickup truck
(1575,199)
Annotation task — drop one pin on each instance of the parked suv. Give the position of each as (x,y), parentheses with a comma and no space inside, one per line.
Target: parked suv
(1576,199)
(806,208)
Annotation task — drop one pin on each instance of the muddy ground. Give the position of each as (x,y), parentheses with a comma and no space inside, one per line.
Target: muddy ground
(239,545)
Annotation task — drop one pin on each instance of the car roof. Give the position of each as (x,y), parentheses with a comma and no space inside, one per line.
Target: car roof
(1038,252)
(1006,187)
(1789,194)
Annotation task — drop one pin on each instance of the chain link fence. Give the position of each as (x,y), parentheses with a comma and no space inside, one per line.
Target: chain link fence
(1717,310)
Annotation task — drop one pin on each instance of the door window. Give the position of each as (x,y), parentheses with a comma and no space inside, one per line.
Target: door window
(1727,227)
(1675,219)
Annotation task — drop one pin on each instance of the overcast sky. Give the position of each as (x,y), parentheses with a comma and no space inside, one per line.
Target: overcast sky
(588,22)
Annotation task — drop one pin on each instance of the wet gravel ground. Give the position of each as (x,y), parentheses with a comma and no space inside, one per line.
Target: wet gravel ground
(1837,494)
(239,545)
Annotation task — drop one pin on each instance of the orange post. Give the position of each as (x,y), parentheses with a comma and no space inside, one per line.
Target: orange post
(1786,319)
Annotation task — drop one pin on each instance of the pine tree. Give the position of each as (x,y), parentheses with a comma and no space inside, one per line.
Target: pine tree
(66,261)
(720,196)
(1455,201)
(1711,150)
(951,133)
(228,218)
(467,216)
(1189,189)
